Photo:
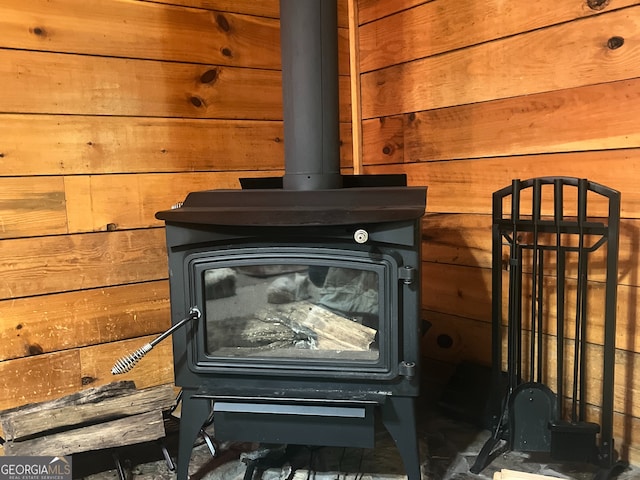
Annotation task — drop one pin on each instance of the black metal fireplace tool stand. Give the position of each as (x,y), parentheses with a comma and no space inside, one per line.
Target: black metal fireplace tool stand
(531,416)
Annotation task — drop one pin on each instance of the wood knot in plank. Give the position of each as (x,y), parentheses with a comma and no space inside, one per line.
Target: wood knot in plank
(615,42)
(222,22)
(210,76)
(387,150)
(196,101)
(226,51)
(597,4)
(35,349)
(444,341)
(39,31)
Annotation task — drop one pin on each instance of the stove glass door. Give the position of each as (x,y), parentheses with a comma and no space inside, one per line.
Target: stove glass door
(293,309)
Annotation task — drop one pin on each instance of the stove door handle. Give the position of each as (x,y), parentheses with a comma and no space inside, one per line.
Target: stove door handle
(127,362)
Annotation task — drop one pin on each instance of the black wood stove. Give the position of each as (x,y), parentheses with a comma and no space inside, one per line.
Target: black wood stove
(305,288)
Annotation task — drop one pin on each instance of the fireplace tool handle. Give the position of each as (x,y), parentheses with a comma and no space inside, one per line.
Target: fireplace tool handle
(127,362)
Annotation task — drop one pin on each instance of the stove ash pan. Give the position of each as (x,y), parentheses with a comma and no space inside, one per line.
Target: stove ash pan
(310,314)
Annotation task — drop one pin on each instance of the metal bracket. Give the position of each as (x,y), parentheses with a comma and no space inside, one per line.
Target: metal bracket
(407,274)
(407,369)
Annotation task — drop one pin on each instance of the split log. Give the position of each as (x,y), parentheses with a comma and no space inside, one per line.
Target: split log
(94,405)
(332,331)
(505,474)
(108,416)
(130,430)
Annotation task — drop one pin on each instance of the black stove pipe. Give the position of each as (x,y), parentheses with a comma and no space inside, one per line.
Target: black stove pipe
(309,45)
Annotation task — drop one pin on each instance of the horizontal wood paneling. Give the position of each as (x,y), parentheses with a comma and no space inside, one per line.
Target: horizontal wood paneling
(570,120)
(464,98)
(454,339)
(109,114)
(457,238)
(109,202)
(370,10)
(27,206)
(439,26)
(68,145)
(470,340)
(563,56)
(465,239)
(456,290)
(466,292)
(41,265)
(38,378)
(50,323)
(133,29)
(156,368)
(48,376)
(466,186)
(92,203)
(147,30)
(56,83)
(265,8)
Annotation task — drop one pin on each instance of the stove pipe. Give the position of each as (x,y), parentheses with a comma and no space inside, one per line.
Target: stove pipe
(309,45)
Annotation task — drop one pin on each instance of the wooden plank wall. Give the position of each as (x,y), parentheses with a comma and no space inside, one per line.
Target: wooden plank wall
(110,111)
(465,96)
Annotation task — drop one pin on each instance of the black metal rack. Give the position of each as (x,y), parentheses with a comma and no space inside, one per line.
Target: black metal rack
(544,409)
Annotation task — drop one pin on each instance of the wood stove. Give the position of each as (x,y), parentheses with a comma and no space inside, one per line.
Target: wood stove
(310,315)
(307,287)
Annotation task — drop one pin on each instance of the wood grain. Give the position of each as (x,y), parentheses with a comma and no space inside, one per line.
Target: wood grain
(49,376)
(140,428)
(68,145)
(58,84)
(530,125)
(263,8)
(50,323)
(156,368)
(30,205)
(36,266)
(383,140)
(466,334)
(466,292)
(569,55)
(89,406)
(60,144)
(146,30)
(266,8)
(466,186)
(375,9)
(39,378)
(465,239)
(110,202)
(431,28)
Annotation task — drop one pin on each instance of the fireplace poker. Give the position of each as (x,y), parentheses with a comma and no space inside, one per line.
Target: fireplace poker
(127,362)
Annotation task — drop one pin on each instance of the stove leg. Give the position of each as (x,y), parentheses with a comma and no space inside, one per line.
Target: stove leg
(195,411)
(398,417)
